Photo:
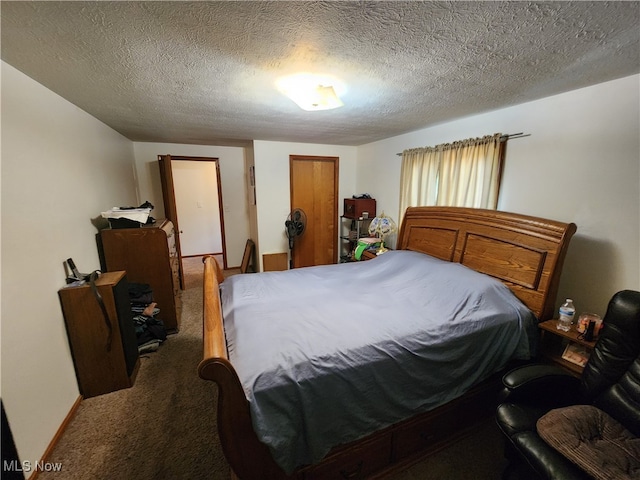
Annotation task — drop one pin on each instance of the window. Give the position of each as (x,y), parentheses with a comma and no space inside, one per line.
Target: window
(460,174)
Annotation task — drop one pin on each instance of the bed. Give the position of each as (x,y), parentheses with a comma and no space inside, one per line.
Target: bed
(359,391)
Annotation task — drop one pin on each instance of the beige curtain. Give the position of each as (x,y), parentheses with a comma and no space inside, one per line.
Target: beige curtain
(459,174)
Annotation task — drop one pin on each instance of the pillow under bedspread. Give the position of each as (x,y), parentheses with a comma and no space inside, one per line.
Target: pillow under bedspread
(594,441)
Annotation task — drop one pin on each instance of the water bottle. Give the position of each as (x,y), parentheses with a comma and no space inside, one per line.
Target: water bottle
(567,312)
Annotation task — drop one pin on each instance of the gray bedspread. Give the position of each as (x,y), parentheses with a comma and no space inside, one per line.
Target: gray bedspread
(329,354)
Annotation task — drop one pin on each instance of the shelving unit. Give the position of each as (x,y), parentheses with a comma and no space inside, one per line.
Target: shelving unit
(354,224)
(553,343)
(351,230)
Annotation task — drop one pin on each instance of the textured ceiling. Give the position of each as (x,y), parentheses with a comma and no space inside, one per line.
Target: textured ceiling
(205,72)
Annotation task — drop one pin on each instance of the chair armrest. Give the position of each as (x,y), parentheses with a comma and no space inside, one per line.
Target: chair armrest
(542,385)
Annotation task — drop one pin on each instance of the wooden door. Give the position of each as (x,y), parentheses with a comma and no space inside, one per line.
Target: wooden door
(170,209)
(314,189)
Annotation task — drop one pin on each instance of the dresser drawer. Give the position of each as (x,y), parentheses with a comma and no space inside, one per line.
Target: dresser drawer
(443,425)
(422,434)
(145,253)
(355,464)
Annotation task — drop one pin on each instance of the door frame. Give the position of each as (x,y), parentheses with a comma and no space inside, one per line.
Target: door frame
(169,199)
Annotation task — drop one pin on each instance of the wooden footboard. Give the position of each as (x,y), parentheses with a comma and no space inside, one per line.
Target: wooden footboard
(247,456)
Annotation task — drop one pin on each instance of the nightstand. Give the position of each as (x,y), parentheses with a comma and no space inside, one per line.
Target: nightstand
(368,255)
(553,343)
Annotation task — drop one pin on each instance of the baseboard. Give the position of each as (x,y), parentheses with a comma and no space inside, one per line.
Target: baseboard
(56,437)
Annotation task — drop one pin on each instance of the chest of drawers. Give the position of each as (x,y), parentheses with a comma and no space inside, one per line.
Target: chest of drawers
(148,255)
(104,350)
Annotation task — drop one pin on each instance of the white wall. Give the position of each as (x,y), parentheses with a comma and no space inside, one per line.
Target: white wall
(581,164)
(272,186)
(232,179)
(60,168)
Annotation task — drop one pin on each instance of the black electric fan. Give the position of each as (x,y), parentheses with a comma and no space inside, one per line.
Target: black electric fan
(295,225)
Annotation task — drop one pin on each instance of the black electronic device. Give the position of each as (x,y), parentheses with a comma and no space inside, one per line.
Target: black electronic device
(589,334)
(75,276)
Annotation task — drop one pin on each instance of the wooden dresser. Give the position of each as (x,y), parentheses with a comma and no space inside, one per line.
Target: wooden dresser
(148,255)
(104,348)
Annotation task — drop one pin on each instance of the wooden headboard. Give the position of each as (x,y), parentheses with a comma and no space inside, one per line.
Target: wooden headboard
(525,253)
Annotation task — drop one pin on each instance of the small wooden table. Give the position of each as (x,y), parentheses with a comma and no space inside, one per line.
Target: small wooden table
(553,343)
(368,255)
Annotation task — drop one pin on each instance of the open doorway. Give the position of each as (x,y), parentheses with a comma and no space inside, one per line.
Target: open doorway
(198,206)
(193,197)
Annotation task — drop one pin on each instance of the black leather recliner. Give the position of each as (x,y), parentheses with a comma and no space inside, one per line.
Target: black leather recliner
(610,382)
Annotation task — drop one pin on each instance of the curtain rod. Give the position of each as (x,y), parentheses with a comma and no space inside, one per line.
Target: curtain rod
(503,137)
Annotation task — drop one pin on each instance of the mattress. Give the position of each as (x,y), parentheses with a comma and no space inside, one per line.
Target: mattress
(329,354)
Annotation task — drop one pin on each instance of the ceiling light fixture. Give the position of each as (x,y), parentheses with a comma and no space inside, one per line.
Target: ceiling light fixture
(311,92)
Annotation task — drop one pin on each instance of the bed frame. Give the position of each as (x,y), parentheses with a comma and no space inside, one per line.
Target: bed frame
(525,253)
